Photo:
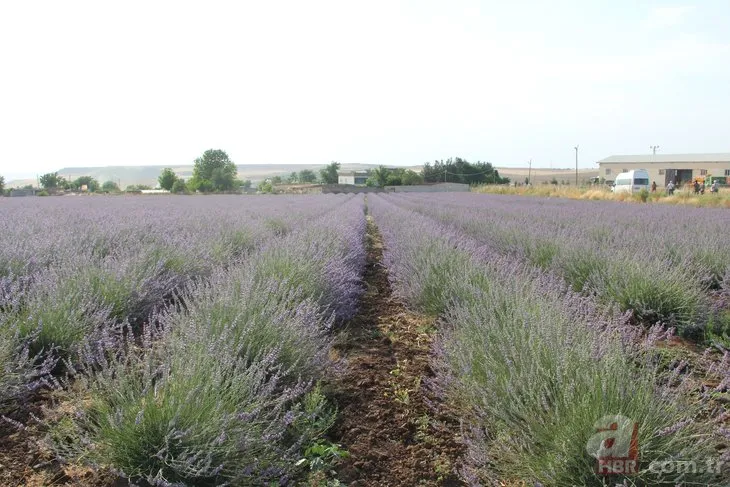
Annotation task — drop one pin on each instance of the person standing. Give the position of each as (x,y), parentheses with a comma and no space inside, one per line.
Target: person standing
(653,186)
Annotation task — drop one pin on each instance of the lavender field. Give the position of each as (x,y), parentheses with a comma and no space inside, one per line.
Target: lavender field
(196,340)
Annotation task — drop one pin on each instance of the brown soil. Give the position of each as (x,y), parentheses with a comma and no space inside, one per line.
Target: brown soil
(25,460)
(393,436)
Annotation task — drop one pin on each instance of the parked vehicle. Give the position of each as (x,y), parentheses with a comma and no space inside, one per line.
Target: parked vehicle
(721,180)
(631,181)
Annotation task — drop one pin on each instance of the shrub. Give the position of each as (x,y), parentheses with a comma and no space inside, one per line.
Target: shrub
(654,294)
(177,415)
(233,244)
(179,186)
(261,316)
(579,265)
(643,195)
(21,373)
(541,379)
(532,366)
(217,387)
(60,313)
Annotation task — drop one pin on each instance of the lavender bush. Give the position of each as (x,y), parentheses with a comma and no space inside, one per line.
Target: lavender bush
(643,259)
(72,266)
(533,365)
(188,411)
(21,372)
(220,392)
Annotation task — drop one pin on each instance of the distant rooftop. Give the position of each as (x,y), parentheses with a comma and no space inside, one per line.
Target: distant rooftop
(661,158)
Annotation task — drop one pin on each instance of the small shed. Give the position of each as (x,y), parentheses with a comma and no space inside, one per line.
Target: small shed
(352,177)
(430,188)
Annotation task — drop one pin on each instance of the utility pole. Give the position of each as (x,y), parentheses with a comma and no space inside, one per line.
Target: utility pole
(576,166)
(529,172)
(653,149)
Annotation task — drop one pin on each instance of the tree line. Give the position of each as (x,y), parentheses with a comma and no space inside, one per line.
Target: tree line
(52,181)
(214,171)
(458,170)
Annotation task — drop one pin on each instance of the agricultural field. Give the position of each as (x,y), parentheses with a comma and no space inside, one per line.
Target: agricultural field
(398,339)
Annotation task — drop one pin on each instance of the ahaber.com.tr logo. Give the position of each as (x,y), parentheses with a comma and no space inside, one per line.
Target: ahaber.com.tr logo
(615,445)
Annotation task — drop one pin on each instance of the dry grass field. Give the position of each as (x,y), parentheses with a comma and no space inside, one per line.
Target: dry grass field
(681,197)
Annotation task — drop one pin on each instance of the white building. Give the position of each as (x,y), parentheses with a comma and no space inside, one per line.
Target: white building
(352,177)
(662,168)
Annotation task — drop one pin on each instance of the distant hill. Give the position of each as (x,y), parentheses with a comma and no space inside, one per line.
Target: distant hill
(127,175)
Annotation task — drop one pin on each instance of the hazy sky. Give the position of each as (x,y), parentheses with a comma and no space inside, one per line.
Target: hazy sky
(130,83)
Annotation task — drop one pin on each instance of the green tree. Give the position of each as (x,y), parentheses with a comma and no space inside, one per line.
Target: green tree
(458,170)
(328,175)
(307,176)
(294,177)
(246,184)
(411,177)
(213,171)
(276,180)
(90,183)
(179,186)
(223,179)
(265,187)
(2,184)
(50,180)
(380,174)
(110,187)
(167,179)
(394,179)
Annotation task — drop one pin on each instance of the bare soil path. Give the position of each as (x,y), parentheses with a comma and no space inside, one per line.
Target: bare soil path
(392,434)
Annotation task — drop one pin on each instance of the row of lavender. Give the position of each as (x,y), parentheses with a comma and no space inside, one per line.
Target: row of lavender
(216,385)
(535,366)
(72,267)
(663,264)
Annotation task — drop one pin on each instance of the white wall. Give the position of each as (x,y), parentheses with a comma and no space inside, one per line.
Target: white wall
(429,188)
(346,179)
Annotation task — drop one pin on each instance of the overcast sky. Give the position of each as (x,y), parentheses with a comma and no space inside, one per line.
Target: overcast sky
(131,83)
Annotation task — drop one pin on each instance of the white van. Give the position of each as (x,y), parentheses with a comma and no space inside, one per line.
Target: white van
(631,181)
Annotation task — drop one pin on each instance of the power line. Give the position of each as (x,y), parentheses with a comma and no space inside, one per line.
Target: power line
(470,174)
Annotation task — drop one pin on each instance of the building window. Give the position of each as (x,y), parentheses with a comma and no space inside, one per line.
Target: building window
(661,172)
(624,170)
(703,172)
(608,171)
(727,172)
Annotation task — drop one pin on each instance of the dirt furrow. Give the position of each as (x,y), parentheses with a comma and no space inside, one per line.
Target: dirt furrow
(393,436)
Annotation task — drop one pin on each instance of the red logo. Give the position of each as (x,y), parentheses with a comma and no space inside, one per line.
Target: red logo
(615,445)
